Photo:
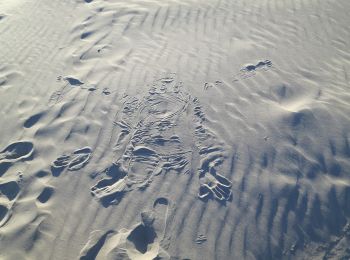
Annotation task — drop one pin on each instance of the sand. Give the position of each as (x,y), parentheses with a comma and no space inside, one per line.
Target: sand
(174,129)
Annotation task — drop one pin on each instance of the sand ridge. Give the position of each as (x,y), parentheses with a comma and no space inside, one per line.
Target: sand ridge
(178,129)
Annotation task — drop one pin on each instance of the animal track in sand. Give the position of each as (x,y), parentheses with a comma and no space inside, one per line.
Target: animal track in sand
(73,81)
(208,85)
(201,239)
(73,162)
(250,70)
(157,135)
(70,83)
(106,91)
(142,241)
(17,151)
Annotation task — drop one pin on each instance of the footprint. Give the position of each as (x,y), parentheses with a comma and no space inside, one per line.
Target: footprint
(142,241)
(73,81)
(45,195)
(58,95)
(4,166)
(215,186)
(201,239)
(208,85)
(106,91)
(9,189)
(42,174)
(250,69)
(74,161)
(80,158)
(17,151)
(8,193)
(212,184)
(161,207)
(62,161)
(111,190)
(31,121)
(143,236)
(4,215)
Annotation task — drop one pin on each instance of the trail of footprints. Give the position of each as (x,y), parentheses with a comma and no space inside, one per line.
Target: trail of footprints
(158,133)
(9,191)
(70,83)
(11,182)
(247,71)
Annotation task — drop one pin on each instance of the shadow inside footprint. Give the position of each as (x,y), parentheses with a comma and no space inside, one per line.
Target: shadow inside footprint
(17,151)
(4,167)
(142,236)
(9,189)
(73,81)
(56,172)
(162,201)
(31,121)
(3,213)
(45,195)
(110,190)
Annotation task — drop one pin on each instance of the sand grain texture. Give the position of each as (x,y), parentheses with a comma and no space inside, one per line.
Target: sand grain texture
(177,129)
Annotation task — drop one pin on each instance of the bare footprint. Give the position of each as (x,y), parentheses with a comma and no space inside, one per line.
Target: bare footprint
(213,184)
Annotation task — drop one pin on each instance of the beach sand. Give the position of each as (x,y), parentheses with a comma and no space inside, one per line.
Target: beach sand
(175,129)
